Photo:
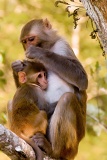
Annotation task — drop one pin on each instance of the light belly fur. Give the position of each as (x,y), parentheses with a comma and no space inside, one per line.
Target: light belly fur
(56,88)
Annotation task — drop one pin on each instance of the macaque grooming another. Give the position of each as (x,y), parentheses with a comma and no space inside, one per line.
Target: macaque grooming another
(67,84)
(26,118)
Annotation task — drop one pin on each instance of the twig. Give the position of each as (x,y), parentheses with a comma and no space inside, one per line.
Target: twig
(97,120)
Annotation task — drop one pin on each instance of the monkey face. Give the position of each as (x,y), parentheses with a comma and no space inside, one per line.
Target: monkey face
(42,80)
(39,78)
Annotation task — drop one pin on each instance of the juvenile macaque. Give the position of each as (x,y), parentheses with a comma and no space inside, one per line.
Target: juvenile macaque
(26,118)
(67,84)
(34,73)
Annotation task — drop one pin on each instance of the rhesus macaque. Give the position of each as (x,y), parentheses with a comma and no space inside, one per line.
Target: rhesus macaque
(26,118)
(67,84)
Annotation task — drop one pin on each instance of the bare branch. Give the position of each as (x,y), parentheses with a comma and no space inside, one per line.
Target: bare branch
(97,120)
(15,147)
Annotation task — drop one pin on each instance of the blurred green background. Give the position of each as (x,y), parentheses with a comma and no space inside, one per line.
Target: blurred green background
(13,15)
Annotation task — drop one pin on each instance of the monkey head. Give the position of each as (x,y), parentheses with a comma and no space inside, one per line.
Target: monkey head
(37,32)
(38,78)
(34,73)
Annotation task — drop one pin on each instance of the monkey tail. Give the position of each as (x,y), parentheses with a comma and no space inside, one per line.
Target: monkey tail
(37,150)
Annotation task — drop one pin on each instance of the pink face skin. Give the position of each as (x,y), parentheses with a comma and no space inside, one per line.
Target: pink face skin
(39,78)
(42,80)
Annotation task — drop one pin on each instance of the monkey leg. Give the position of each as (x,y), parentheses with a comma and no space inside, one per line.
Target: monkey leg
(63,132)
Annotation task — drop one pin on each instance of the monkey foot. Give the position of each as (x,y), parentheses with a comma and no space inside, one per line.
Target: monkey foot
(42,143)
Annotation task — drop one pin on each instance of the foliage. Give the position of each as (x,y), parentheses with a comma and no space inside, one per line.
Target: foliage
(74,13)
(15,13)
(95,74)
(25,10)
(73,10)
(97,111)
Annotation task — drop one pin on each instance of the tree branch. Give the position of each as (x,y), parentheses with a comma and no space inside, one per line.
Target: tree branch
(15,147)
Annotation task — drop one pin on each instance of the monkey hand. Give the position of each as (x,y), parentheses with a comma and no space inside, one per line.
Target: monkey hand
(17,66)
(42,142)
(35,52)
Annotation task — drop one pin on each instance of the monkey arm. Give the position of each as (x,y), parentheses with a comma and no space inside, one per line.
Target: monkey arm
(67,67)
(15,75)
(16,67)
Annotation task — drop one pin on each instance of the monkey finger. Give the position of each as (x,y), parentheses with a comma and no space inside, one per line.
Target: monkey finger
(43,143)
(17,66)
(39,142)
(31,52)
(37,137)
(34,52)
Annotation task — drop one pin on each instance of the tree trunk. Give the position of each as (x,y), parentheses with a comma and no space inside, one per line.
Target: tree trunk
(97,11)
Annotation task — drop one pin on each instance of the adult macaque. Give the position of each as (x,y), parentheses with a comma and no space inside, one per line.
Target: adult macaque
(67,84)
(26,119)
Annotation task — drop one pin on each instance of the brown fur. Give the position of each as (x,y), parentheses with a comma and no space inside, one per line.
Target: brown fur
(25,118)
(67,123)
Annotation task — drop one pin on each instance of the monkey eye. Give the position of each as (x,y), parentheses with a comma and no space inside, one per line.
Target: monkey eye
(24,41)
(45,75)
(30,39)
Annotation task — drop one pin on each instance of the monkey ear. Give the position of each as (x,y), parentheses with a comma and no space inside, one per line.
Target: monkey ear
(47,23)
(22,77)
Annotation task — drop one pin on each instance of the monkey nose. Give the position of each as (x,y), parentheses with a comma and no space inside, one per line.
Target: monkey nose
(28,45)
(45,81)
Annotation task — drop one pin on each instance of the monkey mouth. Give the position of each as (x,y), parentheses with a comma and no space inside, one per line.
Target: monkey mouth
(33,84)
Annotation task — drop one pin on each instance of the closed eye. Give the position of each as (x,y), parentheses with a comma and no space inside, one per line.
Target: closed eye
(31,38)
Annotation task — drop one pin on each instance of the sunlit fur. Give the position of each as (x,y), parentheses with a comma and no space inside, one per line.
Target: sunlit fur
(67,84)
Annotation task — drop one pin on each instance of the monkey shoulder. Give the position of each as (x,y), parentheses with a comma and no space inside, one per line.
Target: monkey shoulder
(62,47)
